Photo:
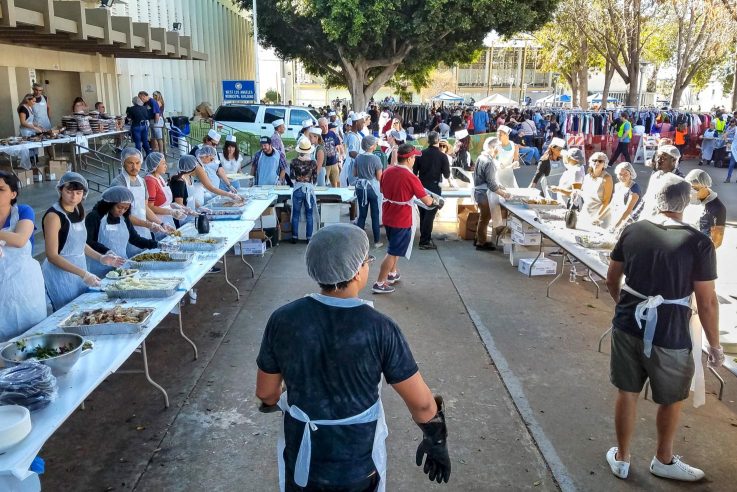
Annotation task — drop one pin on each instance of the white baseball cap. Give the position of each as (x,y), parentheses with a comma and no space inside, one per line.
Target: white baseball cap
(558,142)
(306,123)
(277,123)
(213,135)
(461,134)
(230,138)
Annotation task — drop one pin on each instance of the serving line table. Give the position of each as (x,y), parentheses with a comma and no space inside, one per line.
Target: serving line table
(111,351)
(565,238)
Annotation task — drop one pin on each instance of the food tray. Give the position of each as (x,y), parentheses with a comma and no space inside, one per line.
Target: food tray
(184,261)
(535,206)
(182,246)
(595,242)
(105,328)
(144,293)
(225,214)
(217,205)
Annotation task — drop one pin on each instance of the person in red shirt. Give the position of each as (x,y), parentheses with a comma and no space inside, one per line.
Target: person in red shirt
(400,187)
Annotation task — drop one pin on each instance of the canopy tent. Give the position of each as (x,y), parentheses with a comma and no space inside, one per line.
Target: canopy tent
(596,98)
(553,99)
(448,96)
(495,100)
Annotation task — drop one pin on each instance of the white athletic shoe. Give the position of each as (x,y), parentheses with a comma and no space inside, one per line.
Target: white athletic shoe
(620,469)
(677,470)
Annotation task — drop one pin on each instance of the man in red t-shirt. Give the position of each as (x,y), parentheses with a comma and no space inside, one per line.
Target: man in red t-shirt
(399,186)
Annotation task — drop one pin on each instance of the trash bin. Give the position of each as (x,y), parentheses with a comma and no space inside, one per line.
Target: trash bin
(179,128)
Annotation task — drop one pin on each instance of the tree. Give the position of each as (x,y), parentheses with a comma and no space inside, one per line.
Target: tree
(731,8)
(272,96)
(363,43)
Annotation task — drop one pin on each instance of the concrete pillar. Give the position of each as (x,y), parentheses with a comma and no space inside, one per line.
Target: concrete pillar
(9,101)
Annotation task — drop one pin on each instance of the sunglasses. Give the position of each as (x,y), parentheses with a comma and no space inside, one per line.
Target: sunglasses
(369,259)
(597,160)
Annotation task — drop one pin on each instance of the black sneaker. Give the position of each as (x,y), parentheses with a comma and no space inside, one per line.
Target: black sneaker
(429,245)
(393,278)
(382,288)
(485,247)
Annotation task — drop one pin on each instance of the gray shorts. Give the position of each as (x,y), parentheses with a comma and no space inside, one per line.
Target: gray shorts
(669,370)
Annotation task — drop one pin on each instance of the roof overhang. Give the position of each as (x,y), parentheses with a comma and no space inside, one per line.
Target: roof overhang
(71,26)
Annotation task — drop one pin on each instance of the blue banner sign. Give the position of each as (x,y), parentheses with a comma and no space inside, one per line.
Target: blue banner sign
(239,90)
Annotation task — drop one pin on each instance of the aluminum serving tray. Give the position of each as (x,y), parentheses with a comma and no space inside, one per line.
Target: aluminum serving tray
(144,293)
(216,205)
(105,328)
(182,246)
(163,265)
(533,206)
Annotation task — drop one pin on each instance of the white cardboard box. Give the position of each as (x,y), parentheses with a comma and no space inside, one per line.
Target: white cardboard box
(330,213)
(518,252)
(527,238)
(520,225)
(253,247)
(543,266)
(507,244)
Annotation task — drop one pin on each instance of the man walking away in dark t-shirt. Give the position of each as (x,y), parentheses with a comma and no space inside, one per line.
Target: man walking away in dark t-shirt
(431,167)
(332,349)
(663,262)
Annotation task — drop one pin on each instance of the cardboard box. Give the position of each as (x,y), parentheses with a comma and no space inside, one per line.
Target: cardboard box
(330,213)
(56,169)
(460,207)
(253,247)
(286,225)
(506,243)
(519,252)
(257,234)
(268,218)
(467,222)
(527,239)
(38,174)
(520,225)
(543,266)
(25,177)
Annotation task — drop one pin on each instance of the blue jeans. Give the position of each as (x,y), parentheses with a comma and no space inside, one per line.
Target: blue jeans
(299,199)
(139,134)
(373,202)
(731,167)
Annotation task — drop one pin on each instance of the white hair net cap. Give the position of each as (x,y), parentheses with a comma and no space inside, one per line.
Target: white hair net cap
(626,166)
(118,194)
(699,177)
(128,152)
(153,160)
(335,253)
(187,163)
(490,143)
(206,150)
(72,177)
(673,193)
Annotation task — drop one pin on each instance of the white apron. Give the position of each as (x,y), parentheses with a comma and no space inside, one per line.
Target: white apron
(268,169)
(309,190)
(138,209)
(415,218)
(591,191)
(41,114)
(166,219)
(495,206)
(115,237)
(61,286)
(572,174)
(211,168)
(504,170)
(556,169)
(23,301)
(31,120)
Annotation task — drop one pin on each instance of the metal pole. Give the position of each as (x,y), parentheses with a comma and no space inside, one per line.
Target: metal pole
(255,51)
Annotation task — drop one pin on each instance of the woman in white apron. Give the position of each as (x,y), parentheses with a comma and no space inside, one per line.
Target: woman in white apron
(109,229)
(159,193)
(596,192)
(572,177)
(231,160)
(627,194)
(208,157)
(507,159)
(318,155)
(182,189)
(23,299)
(65,269)
(304,172)
(550,165)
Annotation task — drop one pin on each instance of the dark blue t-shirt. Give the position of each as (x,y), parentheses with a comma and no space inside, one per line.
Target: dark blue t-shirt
(664,260)
(331,141)
(332,359)
(153,108)
(715,214)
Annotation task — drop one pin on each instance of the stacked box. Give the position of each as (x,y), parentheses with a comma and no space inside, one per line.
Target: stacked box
(543,266)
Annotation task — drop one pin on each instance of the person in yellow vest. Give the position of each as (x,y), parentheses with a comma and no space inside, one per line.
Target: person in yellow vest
(624,135)
(720,124)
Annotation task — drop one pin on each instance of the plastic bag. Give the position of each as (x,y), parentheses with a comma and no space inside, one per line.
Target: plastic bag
(29,384)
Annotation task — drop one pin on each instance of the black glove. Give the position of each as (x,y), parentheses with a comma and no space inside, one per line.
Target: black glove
(434,444)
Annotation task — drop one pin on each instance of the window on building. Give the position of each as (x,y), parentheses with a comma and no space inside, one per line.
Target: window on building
(240,114)
(273,114)
(297,116)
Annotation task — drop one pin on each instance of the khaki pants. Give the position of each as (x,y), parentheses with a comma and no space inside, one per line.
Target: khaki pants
(332,175)
(483,225)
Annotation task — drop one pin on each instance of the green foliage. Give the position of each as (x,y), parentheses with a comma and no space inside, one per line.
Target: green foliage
(272,96)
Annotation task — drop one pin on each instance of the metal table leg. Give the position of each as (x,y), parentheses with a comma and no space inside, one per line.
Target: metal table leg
(539,254)
(227,281)
(721,382)
(181,332)
(147,374)
(562,267)
(588,274)
(243,259)
(603,336)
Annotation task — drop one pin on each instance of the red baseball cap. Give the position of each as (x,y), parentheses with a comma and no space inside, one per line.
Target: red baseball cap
(413,153)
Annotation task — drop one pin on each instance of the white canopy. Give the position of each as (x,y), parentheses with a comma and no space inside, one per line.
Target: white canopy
(448,96)
(495,100)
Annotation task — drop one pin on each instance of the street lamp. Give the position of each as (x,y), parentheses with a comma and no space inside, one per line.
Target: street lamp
(556,76)
(511,82)
(643,69)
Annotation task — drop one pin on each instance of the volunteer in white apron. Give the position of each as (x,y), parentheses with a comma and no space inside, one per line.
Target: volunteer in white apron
(507,159)
(665,162)
(487,191)
(318,154)
(142,217)
(353,147)
(182,189)
(572,177)
(231,160)
(313,451)
(396,183)
(368,170)
(159,193)
(208,157)
(656,255)
(109,228)
(269,168)
(65,269)
(596,192)
(304,173)
(550,166)
(41,108)
(206,181)
(23,298)
(627,194)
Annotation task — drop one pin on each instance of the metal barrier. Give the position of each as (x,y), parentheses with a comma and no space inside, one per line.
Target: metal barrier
(97,167)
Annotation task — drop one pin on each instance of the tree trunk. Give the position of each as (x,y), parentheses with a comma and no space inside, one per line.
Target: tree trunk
(572,79)
(675,100)
(633,93)
(583,85)
(608,75)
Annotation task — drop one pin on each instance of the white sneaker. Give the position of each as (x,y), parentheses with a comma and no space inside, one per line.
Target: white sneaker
(378,245)
(677,470)
(620,469)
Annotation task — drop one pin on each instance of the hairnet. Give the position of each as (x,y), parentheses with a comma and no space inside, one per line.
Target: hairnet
(336,253)
(626,166)
(599,156)
(576,154)
(490,143)
(206,150)
(153,160)
(699,177)
(187,163)
(118,194)
(367,142)
(128,152)
(673,193)
(72,177)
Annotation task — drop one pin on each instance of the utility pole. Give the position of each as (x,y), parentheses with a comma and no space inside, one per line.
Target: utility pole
(255,51)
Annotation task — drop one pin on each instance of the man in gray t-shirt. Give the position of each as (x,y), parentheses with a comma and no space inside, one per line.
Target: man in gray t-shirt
(367,170)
